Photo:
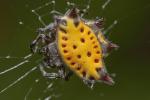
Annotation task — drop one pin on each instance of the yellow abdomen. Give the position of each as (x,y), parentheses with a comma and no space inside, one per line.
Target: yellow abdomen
(80,49)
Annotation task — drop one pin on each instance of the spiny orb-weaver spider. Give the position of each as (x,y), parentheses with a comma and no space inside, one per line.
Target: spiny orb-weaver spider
(76,43)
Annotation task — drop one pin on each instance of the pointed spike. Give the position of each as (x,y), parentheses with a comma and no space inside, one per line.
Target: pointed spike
(112,46)
(105,77)
(72,13)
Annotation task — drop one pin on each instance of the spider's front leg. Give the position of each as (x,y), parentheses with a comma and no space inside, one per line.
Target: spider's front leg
(49,75)
(53,60)
(89,83)
(60,74)
(42,37)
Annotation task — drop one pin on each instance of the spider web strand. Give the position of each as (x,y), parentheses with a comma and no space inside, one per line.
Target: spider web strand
(19,79)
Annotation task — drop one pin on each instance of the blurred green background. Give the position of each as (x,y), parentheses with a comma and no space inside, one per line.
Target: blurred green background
(131,63)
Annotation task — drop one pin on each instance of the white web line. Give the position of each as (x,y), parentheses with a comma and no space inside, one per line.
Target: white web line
(19,79)
(53,11)
(12,57)
(27,95)
(105,4)
(30,89)
(27,56)
(7,70)
(51,96)
(16,66)
(46,4)
(70,3)
(48,87)
(35,11)
(110,27)
(39,18)
(87,8)
(48,98)
(36,81)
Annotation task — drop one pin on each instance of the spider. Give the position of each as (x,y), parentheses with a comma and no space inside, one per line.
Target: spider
(72,44)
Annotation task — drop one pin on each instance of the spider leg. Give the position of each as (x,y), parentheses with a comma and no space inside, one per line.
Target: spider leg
(42,37)
(53,60)
(46,74)
(89,83)
(63,73)
(60,74)
(49,27)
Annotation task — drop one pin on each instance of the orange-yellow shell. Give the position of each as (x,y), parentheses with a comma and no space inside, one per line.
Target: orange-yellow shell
(80,49)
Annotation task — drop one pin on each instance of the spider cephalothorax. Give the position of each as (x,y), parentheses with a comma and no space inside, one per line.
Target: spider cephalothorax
(77,44)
